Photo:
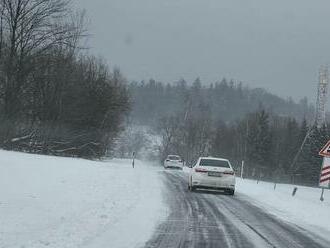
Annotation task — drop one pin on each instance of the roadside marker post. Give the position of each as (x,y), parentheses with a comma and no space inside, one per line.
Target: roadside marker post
(133,162)
(322,198)
(294,191)
(242,169)
(325,173)
(324,182)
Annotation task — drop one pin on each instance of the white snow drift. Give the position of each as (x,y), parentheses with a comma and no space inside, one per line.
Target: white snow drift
(304,209)
(63,202)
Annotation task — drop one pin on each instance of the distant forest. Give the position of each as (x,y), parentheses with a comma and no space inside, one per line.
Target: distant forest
(226,100)
(227,119)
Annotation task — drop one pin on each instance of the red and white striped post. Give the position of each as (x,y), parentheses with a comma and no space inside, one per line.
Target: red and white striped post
(324,182)
(325,173)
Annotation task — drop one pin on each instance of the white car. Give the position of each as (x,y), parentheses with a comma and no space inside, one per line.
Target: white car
(212,173)
(173,161)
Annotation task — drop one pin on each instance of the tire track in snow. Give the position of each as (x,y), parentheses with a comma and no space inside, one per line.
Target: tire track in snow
(193,222)
(202,219)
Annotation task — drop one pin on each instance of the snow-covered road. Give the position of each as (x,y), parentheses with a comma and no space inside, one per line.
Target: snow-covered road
(203,219)
(62,202)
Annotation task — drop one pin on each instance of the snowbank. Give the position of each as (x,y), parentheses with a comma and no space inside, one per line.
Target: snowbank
(63,202)
(304,209)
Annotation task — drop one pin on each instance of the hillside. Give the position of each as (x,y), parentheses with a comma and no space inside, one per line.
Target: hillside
(64,202)
(226,100)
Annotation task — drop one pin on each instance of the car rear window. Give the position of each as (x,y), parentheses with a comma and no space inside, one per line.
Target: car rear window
(214,163)
(173,157)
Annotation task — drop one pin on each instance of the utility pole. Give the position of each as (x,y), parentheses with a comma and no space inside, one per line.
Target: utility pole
(320,120)
(322,95)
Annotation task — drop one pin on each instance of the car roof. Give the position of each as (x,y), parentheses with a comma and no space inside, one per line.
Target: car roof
(173,155)
(214,158)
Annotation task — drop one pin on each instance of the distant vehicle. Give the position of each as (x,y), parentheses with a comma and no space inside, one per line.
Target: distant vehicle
(212,173)
(173,161)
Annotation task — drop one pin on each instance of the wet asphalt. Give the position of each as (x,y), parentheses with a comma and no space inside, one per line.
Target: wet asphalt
(212,219)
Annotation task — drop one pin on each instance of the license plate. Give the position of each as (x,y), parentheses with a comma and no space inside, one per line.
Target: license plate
(214,174)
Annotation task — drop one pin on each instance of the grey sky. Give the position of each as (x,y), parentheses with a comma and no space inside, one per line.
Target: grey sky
(275,44)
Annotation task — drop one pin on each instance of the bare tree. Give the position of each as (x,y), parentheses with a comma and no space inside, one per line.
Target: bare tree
(53,98)
(1,30)
(31,28)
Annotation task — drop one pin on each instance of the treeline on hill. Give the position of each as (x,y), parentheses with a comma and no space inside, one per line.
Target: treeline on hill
(226,100)
(53,98)
(266,141)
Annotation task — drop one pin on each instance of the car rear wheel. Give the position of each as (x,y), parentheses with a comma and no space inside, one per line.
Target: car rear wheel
(191,188)
(230,191)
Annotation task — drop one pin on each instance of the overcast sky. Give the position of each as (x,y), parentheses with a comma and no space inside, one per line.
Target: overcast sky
(275,44)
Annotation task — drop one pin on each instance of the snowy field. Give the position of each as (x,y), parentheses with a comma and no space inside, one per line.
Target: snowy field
(63,202)
(304,209)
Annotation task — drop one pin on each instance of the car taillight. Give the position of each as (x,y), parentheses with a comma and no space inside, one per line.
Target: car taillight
(229,173)
(167,160)
(200,170)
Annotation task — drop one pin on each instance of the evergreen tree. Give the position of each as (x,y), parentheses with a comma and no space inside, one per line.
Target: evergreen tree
(259,141)
(309,166)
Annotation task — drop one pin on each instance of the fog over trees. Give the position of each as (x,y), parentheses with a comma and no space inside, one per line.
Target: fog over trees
(278,45)
(56,98)
(227,100)
(228,119)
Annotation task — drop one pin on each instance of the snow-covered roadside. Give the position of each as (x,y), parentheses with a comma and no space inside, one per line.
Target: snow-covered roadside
(63,202)
(304,209)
